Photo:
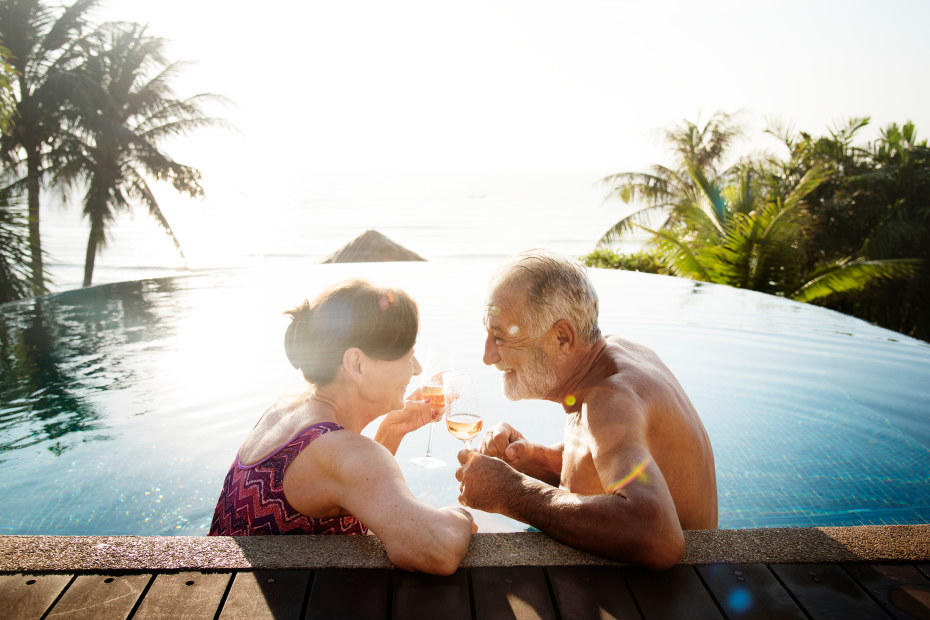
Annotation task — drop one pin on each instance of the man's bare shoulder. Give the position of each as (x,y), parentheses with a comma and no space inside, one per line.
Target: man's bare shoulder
(632,383)
(629,352)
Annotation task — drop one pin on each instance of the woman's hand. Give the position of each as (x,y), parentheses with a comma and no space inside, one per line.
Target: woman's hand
(415,414)
(396,424)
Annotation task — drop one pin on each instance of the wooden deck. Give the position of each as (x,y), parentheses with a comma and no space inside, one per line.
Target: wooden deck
(781,591)
(862,572)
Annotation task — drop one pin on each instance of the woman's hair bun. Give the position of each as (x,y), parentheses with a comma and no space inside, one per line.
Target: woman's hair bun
(382,322)
(293,343)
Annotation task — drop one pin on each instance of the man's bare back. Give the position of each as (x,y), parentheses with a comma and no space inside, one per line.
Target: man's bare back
(676,438)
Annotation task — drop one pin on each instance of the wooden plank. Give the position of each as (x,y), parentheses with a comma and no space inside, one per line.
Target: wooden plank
(924,567)
(267,594)
(676,593)
(190,595)
(509,592)
(101,596)
(417,595)
(901,589)
(25,596)
(827,591)
(592,592)
(749,591)
(362,593)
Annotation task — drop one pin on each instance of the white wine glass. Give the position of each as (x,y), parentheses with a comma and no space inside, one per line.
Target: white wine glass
(437,360)
(463,417)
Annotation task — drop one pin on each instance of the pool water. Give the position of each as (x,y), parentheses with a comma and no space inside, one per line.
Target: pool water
(122,406)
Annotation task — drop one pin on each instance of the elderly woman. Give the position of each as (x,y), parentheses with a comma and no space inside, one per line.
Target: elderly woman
(306,468)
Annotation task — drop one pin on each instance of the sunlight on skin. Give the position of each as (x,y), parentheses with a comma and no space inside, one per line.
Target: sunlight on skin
(638,471)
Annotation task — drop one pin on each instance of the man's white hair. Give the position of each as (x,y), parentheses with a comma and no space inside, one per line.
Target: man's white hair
(559,288)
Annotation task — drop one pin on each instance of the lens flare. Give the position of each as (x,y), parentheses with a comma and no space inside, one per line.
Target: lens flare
(740,600)
(494,311)
(637,471)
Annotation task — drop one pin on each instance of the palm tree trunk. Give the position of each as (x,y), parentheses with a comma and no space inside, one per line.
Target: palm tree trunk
(90,257)
(33,173)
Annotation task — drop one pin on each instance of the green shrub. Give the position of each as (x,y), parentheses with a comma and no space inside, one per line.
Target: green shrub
(643,261)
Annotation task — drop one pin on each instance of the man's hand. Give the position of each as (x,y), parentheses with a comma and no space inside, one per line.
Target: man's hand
(506,443)
(485,481)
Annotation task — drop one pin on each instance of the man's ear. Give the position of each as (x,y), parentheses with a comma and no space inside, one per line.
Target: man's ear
(566,336)
(353,362)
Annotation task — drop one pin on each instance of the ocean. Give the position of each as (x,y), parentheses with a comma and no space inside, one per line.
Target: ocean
(438,215)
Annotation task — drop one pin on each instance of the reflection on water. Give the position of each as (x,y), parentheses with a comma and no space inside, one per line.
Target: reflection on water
(56,351)
(122,406)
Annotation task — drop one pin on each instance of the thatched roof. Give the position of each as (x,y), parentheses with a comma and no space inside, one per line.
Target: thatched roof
(371,247)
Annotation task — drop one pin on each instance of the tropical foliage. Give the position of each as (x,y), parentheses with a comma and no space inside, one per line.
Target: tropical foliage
(111,143)
(92,108)
(606,258)
(796,227)
(15,281)
(45,48)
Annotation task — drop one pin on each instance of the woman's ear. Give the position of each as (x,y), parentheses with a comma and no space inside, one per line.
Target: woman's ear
(353,362)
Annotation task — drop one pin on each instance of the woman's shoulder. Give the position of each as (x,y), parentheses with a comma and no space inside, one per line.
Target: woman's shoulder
(277,427)
(344,454)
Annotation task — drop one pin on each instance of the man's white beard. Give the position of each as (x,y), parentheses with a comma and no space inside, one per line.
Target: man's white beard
(534,380)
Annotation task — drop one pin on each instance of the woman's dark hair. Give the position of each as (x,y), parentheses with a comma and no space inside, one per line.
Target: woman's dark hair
(382,322)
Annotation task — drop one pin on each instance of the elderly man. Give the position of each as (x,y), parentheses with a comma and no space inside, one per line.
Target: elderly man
(635,467)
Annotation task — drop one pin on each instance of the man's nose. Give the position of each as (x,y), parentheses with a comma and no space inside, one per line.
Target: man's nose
(491,355)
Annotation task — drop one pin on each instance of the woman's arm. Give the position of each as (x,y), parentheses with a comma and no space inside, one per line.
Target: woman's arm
(347,473)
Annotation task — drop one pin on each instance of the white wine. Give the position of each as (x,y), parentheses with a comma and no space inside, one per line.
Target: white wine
(464,426)
(433,391)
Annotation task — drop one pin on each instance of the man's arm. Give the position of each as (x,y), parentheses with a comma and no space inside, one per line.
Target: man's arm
(535,460)
(632,520)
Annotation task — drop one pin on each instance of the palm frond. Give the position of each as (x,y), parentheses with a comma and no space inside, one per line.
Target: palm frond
(847,275)
(682,259)
(141,190)
(811,180)
(638,220)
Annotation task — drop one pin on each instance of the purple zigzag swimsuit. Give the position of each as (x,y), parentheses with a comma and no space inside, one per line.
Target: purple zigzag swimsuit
(252,501)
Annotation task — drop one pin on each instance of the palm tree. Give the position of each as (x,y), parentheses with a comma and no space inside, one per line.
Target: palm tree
(747,226)
(44,48)
(7,100)
(666,193)
(113,143)
(14,251)
(877,204)
(15,281)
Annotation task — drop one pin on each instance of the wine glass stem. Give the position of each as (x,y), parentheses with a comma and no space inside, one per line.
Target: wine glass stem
(468,444)
(429,442)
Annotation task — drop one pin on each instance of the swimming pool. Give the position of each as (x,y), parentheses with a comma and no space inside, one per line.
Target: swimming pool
(122,406)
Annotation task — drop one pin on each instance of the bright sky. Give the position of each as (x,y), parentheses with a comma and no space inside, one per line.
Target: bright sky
(502,84)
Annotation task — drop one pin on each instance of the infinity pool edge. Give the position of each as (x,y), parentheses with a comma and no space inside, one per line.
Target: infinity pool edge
(891,543)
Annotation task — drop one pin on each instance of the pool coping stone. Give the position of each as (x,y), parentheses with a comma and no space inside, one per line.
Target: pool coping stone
(888,543)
